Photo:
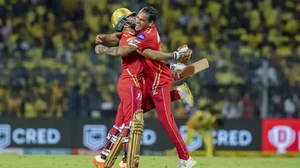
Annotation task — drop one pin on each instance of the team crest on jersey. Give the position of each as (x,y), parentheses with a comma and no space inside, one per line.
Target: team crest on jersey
(141,36)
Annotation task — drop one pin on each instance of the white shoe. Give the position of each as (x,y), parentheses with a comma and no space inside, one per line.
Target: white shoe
(186,163)
(185,94)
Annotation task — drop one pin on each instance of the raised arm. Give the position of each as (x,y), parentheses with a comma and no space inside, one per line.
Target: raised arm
(107,37)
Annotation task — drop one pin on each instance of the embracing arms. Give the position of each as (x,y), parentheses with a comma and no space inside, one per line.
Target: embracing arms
(108,37)
(182,54)
(125,50)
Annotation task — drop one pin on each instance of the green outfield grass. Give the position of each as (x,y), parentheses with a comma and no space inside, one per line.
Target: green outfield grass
(55,161)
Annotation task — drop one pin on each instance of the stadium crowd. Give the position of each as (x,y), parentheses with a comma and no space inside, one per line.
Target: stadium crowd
(48,67)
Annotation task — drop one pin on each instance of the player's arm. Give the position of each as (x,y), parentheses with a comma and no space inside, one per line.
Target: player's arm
(182,53)
(125,50)
(115,51)
(156,55)
(108,37)
(144,45)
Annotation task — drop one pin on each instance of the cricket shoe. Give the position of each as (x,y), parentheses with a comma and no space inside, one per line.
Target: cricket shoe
(122,165)
(186,94)
(186,163)
(98,161)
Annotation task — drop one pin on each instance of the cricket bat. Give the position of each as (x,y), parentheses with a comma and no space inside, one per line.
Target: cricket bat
(193,69)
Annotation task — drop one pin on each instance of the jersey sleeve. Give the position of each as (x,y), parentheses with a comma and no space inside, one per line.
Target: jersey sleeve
(143,41)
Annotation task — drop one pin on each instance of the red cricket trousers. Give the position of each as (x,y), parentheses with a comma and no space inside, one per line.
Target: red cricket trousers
(161,98)
(129,105)
(130,102)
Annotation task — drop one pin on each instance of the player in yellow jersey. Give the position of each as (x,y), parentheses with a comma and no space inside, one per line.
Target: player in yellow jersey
(204,123)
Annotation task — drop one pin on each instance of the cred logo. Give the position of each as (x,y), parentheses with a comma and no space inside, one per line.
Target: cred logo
(28,136)
(281,137)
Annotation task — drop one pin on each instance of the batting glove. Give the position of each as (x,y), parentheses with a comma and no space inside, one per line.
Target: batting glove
(182,54)
(177,67)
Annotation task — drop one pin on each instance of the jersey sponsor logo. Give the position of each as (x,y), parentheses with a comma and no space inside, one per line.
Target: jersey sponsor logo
(141,36)
(136,42)
(131,39)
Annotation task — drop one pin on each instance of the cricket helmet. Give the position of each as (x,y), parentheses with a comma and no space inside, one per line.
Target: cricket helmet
(118,18)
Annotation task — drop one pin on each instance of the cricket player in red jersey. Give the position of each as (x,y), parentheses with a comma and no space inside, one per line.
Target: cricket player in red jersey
(158,78)
(129,86)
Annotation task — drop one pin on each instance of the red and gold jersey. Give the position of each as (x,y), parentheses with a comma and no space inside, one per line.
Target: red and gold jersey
(132,64)
(156,72)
